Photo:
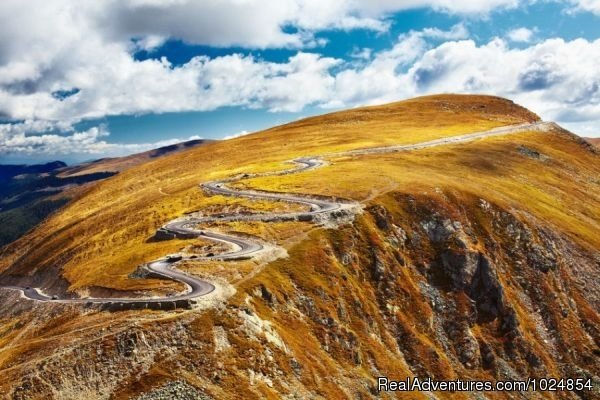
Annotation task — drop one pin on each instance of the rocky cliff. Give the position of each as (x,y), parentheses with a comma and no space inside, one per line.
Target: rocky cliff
(475,261)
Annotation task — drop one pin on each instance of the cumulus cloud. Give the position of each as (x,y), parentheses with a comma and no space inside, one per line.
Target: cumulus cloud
(261,23)
(458,31)
(33,137)
(556,78)
(592,6)
(523,35)
(378,7)
(39,138)
(76,61)
(122,85)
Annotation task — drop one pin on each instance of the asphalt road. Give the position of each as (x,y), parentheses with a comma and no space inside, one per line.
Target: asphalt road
(243,247)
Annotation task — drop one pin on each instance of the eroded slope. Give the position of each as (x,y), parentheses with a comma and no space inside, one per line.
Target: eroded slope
(475,260)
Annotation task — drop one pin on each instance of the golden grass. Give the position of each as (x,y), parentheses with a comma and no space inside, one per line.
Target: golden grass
(594,141)
(102,237)
(563,191)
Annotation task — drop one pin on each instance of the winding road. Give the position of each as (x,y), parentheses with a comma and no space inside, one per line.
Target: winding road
(321,210)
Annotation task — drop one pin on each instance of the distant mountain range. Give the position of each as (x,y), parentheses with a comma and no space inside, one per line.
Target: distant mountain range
(9,171)
(451,236)
(594,141)
(29,193)
(118,164)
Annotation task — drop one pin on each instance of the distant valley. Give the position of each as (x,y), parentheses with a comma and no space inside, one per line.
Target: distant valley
(29,193)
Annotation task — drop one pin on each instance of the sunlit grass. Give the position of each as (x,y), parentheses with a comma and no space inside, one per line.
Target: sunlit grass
(101,238)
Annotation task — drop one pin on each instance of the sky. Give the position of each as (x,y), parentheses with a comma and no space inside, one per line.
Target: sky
(86,80)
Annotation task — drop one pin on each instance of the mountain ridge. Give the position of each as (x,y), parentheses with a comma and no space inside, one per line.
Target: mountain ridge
(31,193)
(471,260)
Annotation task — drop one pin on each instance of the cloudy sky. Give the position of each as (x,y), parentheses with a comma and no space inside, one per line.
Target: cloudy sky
(83,80)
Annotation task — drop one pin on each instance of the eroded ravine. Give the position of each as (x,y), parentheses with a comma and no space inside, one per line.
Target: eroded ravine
(322,210)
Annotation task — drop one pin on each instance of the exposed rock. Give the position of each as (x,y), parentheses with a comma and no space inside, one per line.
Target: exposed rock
(536,155)
(440,230)
(486,290)
(178,390)
(220,338)
(465,344)
(377,267)
(382,217)
(267,295)
(256,326)
(296,366)
(397,237)
(460,267)
(542,257)
(127,344)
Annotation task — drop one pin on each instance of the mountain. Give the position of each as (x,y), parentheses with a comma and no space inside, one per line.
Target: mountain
(594,141)
(9,171)
(29,193)
(118,164)
(458,250)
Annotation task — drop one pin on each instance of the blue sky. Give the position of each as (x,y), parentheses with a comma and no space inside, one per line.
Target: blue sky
(112,78)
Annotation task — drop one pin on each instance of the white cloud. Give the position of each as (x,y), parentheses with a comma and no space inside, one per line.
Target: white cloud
(149,43)
(378,7)
(592,6)
(89,46)
(361,54)
(458,31)
(40,138)
(260,23)
(556,78)
(236,135)
(32,137)
(123,86)
(522,35)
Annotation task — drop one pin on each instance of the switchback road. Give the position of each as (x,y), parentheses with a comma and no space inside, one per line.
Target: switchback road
(321,210)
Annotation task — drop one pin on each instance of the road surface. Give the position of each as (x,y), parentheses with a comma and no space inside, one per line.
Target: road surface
(321,209)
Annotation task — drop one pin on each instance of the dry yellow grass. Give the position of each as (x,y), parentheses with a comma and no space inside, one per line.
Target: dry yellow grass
(493,168)
(101,238)
(594,141)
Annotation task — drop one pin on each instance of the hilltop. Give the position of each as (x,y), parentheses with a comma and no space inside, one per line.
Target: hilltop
(475,260)
(117,164)
(137,202)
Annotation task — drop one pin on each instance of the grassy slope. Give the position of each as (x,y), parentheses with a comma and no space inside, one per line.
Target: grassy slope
(562,193)
(101,238)
(563,190)
(121,163)
(17,221)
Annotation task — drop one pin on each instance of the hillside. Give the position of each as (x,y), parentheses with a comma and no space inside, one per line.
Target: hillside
(9,171)
(475,260)
(29,193)
(118,164)
(594,141)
